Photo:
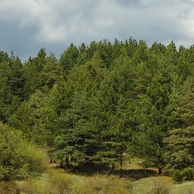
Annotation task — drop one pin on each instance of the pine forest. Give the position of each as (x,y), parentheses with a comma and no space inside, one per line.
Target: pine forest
(98,106)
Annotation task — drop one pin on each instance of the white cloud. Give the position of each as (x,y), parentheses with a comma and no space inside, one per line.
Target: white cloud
(22,12)
(49,22)
(51,33)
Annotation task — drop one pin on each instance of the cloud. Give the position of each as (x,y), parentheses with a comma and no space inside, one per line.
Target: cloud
(31,24)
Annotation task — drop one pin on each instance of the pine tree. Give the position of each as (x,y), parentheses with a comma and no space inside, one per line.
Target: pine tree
(152,114)
(180,141)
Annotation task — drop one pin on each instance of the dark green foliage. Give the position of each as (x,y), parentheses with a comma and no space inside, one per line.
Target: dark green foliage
(35,118)
(152,112)
(51,73)
(11,85)
(102,102)
(69,58)
(185,174)
(32,73)
(180,141)
(77,142)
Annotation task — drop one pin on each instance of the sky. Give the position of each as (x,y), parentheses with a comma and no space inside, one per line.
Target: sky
(26,26)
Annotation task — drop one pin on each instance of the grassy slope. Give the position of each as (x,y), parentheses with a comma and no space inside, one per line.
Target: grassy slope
(56,181)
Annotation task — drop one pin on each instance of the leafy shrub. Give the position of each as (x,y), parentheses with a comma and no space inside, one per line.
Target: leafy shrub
(59,183)
(51,182)
(177,176)
(188,173)
(18,158)
(105,185)
(185,174)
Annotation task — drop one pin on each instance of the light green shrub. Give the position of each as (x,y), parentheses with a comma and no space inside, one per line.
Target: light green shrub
(18,158)
(105,185)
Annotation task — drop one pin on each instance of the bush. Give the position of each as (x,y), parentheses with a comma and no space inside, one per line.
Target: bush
(59,183)
(105,185)
(188,173)
(19,159)
(185,174)
(177,176)
(52,182)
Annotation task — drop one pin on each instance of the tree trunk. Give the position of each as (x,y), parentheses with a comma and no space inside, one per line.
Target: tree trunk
(61,164)
(121,165)
(159,171)
(113,169)
(67,162)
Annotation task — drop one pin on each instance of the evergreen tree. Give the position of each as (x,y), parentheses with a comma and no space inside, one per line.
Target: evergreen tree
(69,58)
(51,73)
(77,142)
(152,114)
(115,113)
(11,85)
(180,141)
(35,119)
(32,73)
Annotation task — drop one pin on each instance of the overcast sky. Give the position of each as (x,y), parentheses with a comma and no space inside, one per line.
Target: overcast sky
(26,26)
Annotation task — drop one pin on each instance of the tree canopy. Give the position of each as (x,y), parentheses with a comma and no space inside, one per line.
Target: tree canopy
(98,103)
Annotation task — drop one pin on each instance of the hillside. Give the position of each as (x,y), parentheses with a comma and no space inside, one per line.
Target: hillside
(99,105)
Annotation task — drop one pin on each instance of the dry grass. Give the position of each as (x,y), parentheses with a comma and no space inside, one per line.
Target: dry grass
(59,182)
(153,185)
(51,182)
(56,181)
(184,188)
(8,188)
(102,184)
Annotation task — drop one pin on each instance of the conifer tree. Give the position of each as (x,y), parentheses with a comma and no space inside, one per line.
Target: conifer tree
(180,141)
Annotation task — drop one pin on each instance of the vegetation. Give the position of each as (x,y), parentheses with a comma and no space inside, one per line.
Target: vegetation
(18,159)
(53,182)
(98,105)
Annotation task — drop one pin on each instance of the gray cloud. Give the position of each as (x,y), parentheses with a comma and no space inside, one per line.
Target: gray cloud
(26,26)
